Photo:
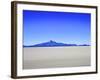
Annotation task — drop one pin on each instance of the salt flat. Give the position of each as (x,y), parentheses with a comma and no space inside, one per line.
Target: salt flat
(52,57)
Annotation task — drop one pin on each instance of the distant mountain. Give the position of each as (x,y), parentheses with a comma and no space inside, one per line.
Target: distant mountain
(50,43)
(84,45)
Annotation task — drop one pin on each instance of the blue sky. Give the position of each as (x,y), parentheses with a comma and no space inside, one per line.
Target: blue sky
(65,27)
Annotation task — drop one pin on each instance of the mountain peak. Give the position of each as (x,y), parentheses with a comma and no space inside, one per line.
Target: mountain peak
(52,43)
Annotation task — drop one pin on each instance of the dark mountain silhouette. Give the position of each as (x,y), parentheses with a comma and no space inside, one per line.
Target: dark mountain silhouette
(84,45)
(50,43)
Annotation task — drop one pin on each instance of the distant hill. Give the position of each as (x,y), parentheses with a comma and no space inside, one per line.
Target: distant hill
(52,43)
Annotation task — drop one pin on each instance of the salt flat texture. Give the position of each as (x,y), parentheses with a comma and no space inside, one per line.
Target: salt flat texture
(53,57)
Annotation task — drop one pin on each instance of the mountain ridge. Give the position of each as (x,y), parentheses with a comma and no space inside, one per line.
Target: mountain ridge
(52,43)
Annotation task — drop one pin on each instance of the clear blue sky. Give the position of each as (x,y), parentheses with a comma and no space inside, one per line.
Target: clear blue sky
(65,27)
